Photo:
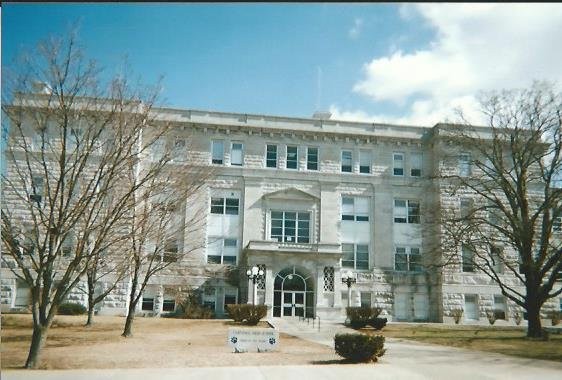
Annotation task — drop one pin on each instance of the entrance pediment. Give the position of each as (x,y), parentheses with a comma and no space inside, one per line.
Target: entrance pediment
(290,194)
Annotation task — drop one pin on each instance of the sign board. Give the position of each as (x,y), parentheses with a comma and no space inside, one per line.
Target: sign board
(253,339)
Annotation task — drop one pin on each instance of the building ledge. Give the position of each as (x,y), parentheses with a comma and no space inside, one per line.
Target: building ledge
(320,248)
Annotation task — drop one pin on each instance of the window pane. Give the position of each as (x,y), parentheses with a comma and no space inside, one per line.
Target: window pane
(400,211)
(271,159)
(416,164)
(168,305)
(213,259)
(230,243)
(413,212)
(218,151)
(292,157)
(398,162)
(230,260)
(276,215)
(347,206)
(346,161)
(464,164)
(236,154)
(232,206)
(364,161)
(400,262)
(467,258)
(217,205)
(147,303)
(312,159)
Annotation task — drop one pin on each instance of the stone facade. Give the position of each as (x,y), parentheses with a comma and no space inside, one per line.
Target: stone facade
(306,179)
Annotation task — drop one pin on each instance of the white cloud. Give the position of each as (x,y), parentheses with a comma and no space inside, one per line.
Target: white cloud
(356,28)
(477,47)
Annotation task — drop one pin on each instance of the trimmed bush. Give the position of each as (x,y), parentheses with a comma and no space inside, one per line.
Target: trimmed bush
(249,314)
(555,317)
(71,308)
(517,318)
(359,348)
(359,317)
(491,317)
(378,323)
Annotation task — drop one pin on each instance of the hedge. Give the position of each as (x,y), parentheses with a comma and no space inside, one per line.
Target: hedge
(359,317)
(359,348)
(70,308)
(249,314)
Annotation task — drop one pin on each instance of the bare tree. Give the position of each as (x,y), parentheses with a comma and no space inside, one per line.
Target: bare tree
(508,223)
(70,149)
(167,212)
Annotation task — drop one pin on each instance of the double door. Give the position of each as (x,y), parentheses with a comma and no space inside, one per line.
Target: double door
(293,304)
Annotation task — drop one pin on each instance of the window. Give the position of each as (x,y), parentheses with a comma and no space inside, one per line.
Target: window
(471,307)
(365,299)
(292,157)
(227,206)
(271,156)
(499,307)
(328,279)
(36,191)
(398,164)
(467,259)
(287,226)
(464,165)
(217,152)
(355,209)
(416,165)
(209,297)
(346,161)
(355,256)
(365,161)
(170,254)
(148,303)
(157,150)
(466,207)
(179,151)
(169,305)
(237,154)
(67,244)
(495,255)
(312,158)
(406,211)
(222,251)
(229,299)
(407,259)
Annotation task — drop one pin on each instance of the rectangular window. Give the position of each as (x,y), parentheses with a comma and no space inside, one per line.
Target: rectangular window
(237,154)
(288,226)
(407,259)
(398,164)
(355,209)
(495,255)
(471,307)
(170,254)
(355,256)
(312,158)
(147,303)
(416,165)
(217,152)
(227,206)
(67,245)
(466,207)
(180,150)
(365,299)
(169,305)
(222,251)
(346,161)
(271,156)
(229,299)
(467,259)
(557,224)
(157,150)
(406,211)
(365,161)
(464,165)
(499,306)
(292,157)
(36,191)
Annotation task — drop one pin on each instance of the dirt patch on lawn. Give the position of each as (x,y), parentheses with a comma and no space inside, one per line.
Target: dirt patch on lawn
(156,342)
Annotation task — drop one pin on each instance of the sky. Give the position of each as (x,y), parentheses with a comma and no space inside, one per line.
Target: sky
(388,63)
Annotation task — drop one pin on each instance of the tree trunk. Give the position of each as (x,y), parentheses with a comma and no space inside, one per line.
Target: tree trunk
(534,327)
(91,305)
(128,330)
(37,342)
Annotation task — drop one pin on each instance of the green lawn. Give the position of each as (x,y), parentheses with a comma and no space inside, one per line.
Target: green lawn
(500,339)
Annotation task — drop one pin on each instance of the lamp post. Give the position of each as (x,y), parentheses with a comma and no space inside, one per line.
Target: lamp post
(253,275)
(349,279)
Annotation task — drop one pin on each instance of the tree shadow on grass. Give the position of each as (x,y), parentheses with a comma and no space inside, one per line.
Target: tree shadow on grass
(334,361)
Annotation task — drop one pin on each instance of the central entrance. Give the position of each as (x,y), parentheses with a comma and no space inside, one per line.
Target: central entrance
(293,294)
(293,304)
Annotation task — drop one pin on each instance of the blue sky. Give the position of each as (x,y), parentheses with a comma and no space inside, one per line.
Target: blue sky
(377,62)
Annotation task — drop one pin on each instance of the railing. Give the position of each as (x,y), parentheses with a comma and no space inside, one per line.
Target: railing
(302,319)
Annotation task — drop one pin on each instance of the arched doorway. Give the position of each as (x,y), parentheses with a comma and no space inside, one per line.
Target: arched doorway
(293,294)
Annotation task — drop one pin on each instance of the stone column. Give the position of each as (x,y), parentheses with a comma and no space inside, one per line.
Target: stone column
(159,300)
(269,279)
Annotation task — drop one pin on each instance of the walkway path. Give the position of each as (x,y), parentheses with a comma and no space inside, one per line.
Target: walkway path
(430,361)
